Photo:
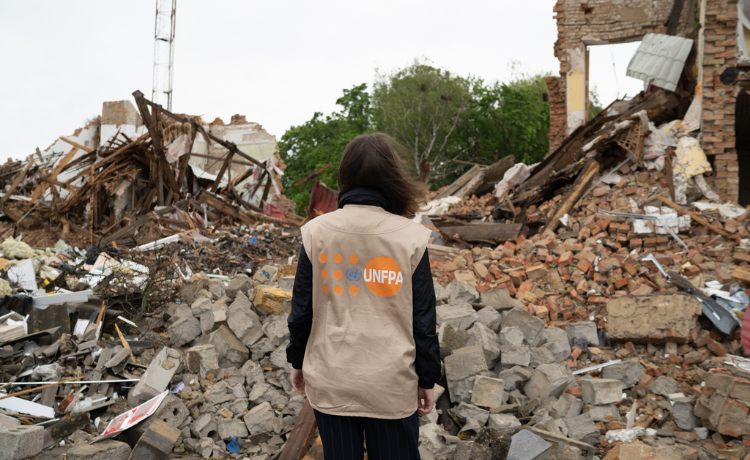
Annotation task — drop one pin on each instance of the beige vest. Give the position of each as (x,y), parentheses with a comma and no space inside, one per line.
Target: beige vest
(359,359)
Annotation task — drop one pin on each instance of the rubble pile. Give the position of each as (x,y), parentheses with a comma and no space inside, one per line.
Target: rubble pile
(137,188)
(206,375)
(582,311)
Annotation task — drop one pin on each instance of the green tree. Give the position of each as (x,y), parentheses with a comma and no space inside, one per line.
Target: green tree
(505,119)
(422,107)
(322,140)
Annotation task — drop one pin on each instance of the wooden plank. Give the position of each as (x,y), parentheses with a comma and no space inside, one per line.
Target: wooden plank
(76,144)
(316,450)
(674,17)
(575,194)
(53,175)
(696,217)
(223,207)
(17,181)
(224,167)
(299,439)
(741,274)
(484,232)
(209,157)
(69,187)
(460,182)
(494,173)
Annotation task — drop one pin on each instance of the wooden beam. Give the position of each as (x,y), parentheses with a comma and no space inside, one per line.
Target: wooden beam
(574,195)
(76,144)
(225,208)
(674,17)
(209,157)
(53,175)
(484,232)
(741,274)
(696,217)
(17,181)
(224,167)
(69,187)
(298,442)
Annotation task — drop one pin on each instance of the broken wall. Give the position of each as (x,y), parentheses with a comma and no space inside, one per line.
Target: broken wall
(597,22)
(720,99)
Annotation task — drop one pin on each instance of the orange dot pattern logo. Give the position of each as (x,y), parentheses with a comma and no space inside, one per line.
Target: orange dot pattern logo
(382,275)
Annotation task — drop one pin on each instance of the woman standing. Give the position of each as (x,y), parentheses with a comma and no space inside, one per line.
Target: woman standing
(362,328)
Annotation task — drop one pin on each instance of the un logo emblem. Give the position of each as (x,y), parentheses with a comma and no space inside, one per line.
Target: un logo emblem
(354,274)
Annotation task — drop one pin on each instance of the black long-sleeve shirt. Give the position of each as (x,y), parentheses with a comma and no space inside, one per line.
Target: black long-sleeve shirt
(427,361)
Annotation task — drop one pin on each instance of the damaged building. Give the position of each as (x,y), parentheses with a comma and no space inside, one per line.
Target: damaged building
(714,71)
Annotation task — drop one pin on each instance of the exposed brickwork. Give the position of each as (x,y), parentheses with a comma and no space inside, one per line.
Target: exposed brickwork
(621,21)
(719,100)
(556,112)
(613,21)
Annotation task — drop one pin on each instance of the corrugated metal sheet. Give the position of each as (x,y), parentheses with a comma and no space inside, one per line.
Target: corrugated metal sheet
(660,59)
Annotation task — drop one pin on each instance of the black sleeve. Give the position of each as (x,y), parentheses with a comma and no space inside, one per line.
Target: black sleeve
(427,362)
(300,318)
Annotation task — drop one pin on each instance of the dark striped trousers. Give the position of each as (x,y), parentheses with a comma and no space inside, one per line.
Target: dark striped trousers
(343,437)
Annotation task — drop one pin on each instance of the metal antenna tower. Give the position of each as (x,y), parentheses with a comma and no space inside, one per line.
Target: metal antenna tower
(161,93)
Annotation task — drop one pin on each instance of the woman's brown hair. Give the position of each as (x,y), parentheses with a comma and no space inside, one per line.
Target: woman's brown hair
(376,161)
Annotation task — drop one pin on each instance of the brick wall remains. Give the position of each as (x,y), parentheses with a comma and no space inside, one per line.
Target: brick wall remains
(719,100)
(606,21)
(556,112)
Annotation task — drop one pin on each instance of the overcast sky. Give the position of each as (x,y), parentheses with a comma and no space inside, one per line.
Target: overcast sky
(276,62)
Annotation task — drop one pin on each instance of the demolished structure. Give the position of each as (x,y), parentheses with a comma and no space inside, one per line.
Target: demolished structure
(590,305)
(715,70)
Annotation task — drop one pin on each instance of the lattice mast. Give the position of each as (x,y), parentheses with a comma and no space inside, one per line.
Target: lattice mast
(166,12)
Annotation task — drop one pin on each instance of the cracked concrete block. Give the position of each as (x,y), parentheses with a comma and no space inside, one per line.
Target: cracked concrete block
(557,342)
(460,315)
(465,411)
(158,375)
(240,283)
(506,424)
(499,299)
(450,339)
(108,449)
(584,332)
(261,419)
(156,443)
(582,428)
(488,392)
(683,413)
(481,335)
(662,317)
(601,391)
(183,327)
(271,300)
(460,369)
(514,377)
(231,352)
(530,325)
(511,336)
(19,442)
(548,380)
(243,321)
(511,356)
(232,428)
(526,445)
(490,318)
(459,292)
(627,372)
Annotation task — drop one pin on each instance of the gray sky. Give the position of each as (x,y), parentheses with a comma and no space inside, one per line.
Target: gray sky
(275,62)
